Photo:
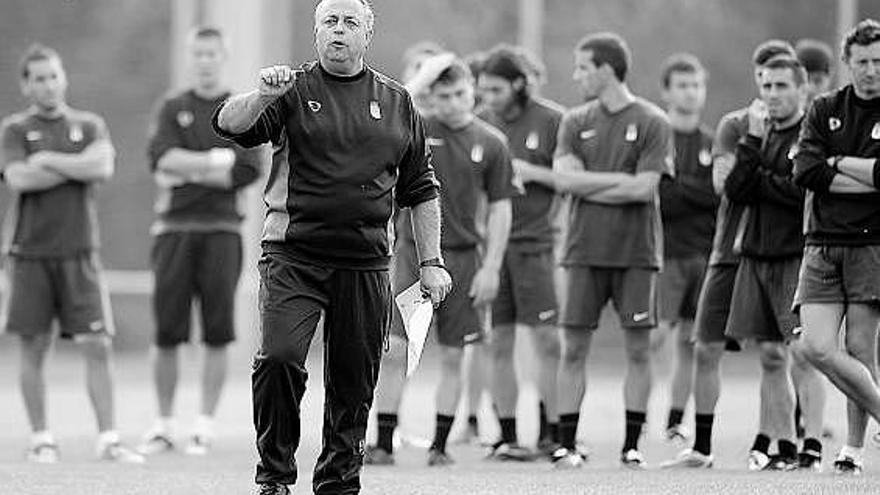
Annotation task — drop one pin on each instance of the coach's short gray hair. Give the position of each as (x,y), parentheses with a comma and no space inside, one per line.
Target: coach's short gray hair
(368,7)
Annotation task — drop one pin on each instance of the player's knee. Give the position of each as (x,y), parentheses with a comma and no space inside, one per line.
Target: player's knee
(283,353)
(774,356)
(96,349)
(707,356)
(574,351)
(816,352)
(548,345)
(639,355)
(501,346)
(450,358)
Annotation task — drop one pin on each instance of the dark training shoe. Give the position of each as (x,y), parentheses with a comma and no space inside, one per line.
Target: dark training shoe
(438,458)
(782,463)
(377,456)
(810,460)
(272,489)
(503,451)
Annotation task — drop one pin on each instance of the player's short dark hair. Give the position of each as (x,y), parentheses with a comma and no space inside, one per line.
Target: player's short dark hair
(864,33)
(207,32)
(771,48)
(816,56)
(681,62)
(787,62)
(456,71)
(608,49)
(35,53)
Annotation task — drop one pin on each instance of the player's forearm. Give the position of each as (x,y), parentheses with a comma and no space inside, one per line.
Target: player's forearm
(844,184)
(22,178)
(640,188)
(498,223)
(860,169)
(721,168)
(240,112)
(185,163)
(217,177)
(426,228)
(537,173)
(92,164)
(585,184)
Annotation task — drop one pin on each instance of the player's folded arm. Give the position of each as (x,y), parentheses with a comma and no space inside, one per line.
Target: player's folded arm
(811,170)
(742,184)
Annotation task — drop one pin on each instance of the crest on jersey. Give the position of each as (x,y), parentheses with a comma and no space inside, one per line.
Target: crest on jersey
(705,157)
(792,151)
(185,118)
(587,134)
(875,131)
(833,124)
(432,141)
(477,153)
(632,133)
(533,141)
(75,134)
(375,110)
(314,106)
(33,136)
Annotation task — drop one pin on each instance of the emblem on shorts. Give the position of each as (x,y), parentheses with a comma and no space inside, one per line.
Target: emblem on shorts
(705,157)
(477,153)
(33,136)
(432,141)
(792,151)
(314,106)
(833,123)
(75,134)
(533,141)
(375,111)
(96,326)
(546,315)
(875,132)
(632,133)
(185,118)
(587,134)
(471,338)
(637,317)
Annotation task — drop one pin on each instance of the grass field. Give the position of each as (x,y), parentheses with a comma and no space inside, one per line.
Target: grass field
(229,468)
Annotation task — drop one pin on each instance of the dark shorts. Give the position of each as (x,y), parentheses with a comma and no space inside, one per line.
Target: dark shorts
(70,289)
(713,306)
(839,274)
(526,292)
(631,290)
(456,320)
(195,265)
(761,306)
(680,282)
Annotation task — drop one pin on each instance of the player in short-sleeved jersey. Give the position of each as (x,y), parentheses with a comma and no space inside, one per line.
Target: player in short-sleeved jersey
(52,157)
(611,155)
(197,245)
(526,295)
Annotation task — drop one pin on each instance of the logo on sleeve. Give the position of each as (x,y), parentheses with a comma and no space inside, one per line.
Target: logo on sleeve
(533,141)
(75,134)
(185,118)
(314,106)
(875,132)
(632,133)
(32,136)
(833,124)
(705,157)
(375,110)
(432,141)
(477,153)
(587,134)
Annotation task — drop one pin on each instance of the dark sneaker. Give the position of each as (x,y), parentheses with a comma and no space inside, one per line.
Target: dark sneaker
(633,459)
(546,447)
(272,489)
(438,458)
(810,460)
(503,451)
(377,456)
(845,465)
(781,463)
(565,458)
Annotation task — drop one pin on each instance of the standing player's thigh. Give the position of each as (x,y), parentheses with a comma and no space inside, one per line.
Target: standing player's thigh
(587,290)
(174,271)
(31,302)
(531,274)
(83,297)
(504,307)
(861,272)
(635,297)
(673,285)
(751,313)
(458,322)
(781,282)
(713,306)
(695,272)
(218,271)
(404,273)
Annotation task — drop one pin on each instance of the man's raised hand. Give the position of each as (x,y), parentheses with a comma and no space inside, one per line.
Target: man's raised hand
(276,80)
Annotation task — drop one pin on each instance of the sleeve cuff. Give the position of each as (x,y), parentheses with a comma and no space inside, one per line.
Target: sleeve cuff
(877,173)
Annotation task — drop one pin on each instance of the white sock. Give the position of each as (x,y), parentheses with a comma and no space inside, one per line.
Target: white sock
(204,426)
(108,437)
(42,437)
(164,425)
(856,453)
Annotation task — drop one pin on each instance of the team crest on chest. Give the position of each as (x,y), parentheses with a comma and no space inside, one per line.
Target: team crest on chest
(314,106)
(75,134)
(875,131)
(533,141)
(185,118)
(477,153)
(833,124)
(705,157)
(375,110)
(632,133)
(33,136)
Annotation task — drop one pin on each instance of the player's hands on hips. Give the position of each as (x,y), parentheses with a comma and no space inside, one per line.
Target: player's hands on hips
(757,117)
(276,80)
(484,287)
(436,283)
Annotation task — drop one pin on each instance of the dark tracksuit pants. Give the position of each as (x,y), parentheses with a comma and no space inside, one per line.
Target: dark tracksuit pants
(356,306)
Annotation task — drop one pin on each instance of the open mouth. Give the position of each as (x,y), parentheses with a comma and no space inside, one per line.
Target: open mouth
(338,44)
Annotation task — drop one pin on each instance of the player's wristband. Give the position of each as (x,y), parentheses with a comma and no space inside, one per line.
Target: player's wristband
(221,157)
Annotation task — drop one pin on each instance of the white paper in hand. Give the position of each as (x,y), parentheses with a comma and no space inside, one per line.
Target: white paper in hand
(416,312)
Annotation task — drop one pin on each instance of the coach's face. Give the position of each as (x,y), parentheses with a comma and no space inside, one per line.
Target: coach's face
(342,33)
(207,57)
(864,66)
(686,92)
(781,93)
(587,75)
(45,84)
(453,103)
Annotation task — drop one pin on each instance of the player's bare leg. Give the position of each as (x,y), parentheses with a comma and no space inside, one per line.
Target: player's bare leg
(504,392)
(777,401)
(388,394)
(571,384)
(34,349)
(636,391)
(546,342)
(810,390)
(446,401)
(682,379)
(165,374)
(214,371)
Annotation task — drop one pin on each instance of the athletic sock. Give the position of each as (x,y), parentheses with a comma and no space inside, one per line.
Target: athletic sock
(106,438)
(635,420)
(813,445)
(387,422)
(42,437)
(204,426)
(553,432)
(568,425)
(508,430)
(787,449)
(703,435)
(542,420)
(441,432)
(761,443)
(675,417)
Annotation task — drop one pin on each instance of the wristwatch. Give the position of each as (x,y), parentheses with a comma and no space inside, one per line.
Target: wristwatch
(438,262)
